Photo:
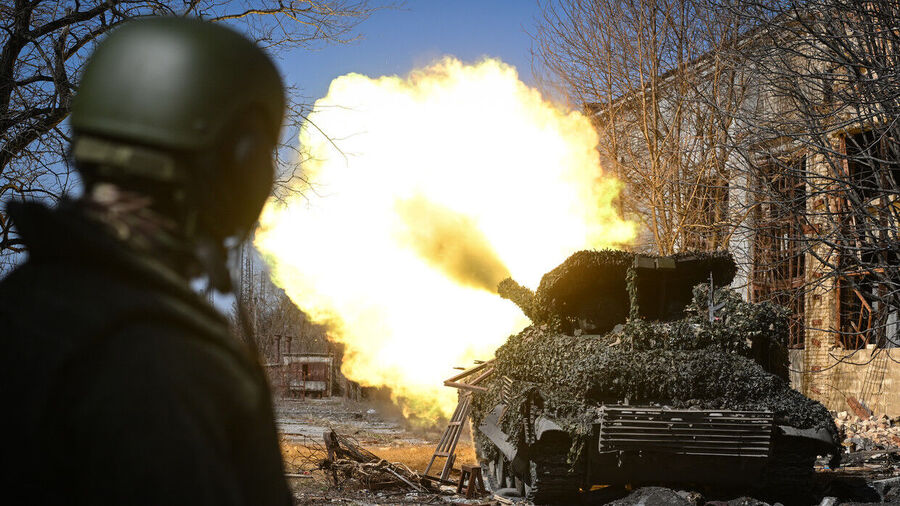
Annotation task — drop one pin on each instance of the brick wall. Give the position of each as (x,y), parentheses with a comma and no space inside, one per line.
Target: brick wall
(823,370)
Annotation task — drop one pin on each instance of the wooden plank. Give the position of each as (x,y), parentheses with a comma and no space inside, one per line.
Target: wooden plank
(469,372)
(465,386)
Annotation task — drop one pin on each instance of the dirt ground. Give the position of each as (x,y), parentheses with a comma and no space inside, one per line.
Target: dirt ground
(378,428)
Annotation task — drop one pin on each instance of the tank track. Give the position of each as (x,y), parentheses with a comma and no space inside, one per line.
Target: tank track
(551,481)
(789,477)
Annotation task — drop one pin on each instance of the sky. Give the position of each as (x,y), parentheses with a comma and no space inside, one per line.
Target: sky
(395,41)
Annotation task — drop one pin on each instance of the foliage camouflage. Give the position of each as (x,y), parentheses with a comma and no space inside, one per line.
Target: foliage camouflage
(738,361)
(589,291)
(522,297)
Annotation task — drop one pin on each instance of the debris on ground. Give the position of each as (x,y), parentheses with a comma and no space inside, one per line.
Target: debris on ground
(373,426)
(871,464)
(867,434)
(872,444)
(349,464)
(652,496)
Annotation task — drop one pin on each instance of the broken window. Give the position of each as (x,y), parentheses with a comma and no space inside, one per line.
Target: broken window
(871,166)
(869,314)
(869,255)
(779,260)
(869,202)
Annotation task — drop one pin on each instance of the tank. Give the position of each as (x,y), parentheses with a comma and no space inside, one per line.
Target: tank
(641,370)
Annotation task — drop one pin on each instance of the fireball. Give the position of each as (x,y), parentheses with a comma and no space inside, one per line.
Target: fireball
(421,194)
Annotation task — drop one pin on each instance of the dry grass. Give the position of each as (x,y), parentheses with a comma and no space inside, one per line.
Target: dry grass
(416,456)
(305,456)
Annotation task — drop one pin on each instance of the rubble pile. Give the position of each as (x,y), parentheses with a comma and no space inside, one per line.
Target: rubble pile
(869,434)
(374,476)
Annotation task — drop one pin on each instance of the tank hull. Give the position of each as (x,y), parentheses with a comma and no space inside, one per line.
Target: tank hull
(649,445)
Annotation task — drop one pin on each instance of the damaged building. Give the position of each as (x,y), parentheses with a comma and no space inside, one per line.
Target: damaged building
(802,189)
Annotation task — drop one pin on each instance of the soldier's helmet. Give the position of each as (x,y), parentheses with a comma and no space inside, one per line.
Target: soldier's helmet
(186,110)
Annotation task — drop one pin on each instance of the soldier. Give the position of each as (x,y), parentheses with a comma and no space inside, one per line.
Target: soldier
(122,385)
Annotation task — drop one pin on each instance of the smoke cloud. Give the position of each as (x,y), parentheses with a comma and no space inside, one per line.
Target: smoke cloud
(451,242)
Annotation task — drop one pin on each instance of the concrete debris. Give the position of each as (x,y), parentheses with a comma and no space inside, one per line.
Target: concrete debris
(869,434)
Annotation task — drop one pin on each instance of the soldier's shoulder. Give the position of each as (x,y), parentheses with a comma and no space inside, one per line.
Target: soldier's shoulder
(179,359)
(72,306)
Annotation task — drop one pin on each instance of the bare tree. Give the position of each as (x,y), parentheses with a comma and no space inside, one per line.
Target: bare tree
(796,104)
(277,324)
(279,328)
(46,42)
(825,158)
(663,101)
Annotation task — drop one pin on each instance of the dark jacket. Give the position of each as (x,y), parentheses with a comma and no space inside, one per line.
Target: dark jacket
(120,385)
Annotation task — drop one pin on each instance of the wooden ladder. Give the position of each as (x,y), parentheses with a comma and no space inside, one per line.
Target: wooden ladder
(467,383)
(446,449)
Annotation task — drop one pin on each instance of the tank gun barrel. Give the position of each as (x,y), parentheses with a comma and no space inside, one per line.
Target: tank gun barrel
(522,296)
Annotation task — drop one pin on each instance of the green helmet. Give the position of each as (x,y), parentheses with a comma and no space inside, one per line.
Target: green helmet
(186,105)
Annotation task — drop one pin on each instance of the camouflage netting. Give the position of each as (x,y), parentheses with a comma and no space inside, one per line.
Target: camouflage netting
(738,361)
(524,298)
(589,290)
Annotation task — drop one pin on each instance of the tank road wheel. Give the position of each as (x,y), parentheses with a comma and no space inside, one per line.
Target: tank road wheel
(495,470)
(488,470)
(550,481)
(497,473)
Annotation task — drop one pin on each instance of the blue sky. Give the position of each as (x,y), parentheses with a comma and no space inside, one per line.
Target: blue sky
(396,41)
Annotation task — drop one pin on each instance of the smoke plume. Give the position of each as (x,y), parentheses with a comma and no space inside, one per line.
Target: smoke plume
(451,242)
